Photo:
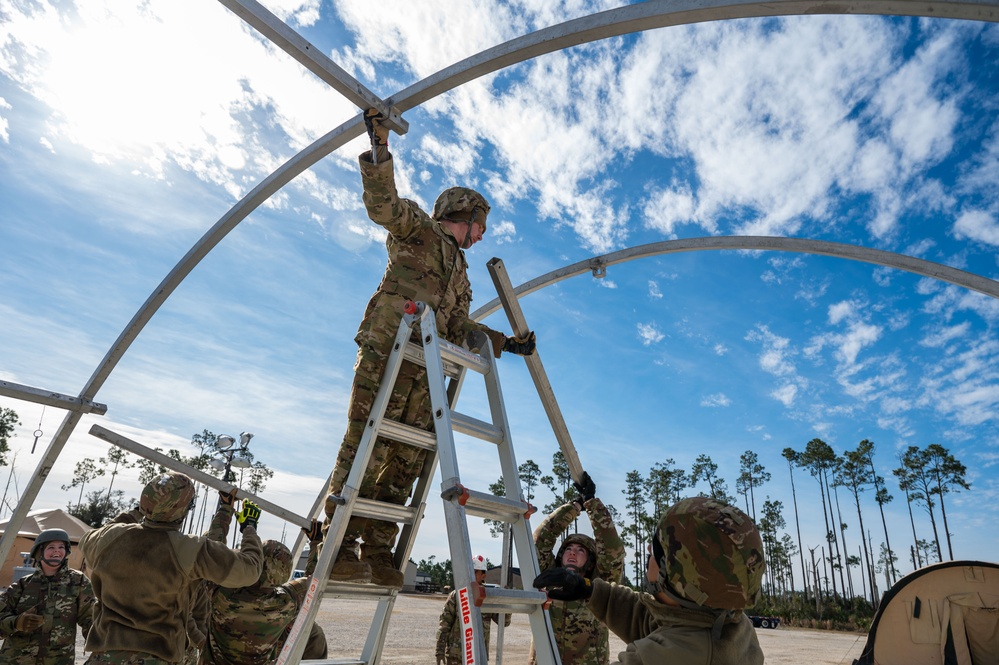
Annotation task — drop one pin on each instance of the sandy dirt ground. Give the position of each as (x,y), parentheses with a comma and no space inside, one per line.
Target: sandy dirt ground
(412,629)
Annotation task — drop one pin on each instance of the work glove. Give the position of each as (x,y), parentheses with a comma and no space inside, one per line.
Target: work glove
(228,498)
(585,488)
(28,622)
(563,584)
(377,132)
(314,532)
(522,346)
(248,516)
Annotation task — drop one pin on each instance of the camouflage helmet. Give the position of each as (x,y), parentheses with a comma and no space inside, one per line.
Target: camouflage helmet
(167,497)
(461,199)
(710,553)
(277,564)
(49,536)
(588,544)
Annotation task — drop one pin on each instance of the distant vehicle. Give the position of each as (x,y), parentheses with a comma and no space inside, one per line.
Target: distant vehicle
(764,622)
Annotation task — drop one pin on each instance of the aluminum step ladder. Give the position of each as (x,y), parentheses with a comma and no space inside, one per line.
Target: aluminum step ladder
(443,361)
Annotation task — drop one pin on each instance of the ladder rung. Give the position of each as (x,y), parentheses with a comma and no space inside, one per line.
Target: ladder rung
(339,661)
(512,601)
(463,357)
(414,354)
(489,506)
(349,590)
(407,434)
(475,427)
(387,512)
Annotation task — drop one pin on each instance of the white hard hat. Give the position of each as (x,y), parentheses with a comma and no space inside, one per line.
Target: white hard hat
(479,563)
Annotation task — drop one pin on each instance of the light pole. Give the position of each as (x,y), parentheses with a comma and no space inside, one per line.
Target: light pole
(230,457)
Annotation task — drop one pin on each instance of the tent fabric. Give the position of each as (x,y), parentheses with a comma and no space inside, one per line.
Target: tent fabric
(56,518)
(943,614)
(36,522)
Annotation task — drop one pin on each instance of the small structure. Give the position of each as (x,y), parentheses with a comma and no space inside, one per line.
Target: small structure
(36,522)
(944,614)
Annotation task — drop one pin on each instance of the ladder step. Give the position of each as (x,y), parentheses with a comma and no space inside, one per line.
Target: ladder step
(387,512)
(490,506)
(414,354)
(349,590)
(339,661)
(512,601)
(453,358)
(407,434)
(455,354)
(475,427)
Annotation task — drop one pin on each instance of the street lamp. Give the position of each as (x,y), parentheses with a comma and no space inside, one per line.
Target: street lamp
(231,457)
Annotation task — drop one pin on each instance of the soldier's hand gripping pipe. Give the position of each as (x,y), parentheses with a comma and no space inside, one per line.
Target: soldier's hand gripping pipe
(563,584)
(522,346)
(248,516)
(377,132)
(586,489)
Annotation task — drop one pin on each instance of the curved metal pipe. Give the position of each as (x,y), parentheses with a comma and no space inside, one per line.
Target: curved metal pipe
(598,264)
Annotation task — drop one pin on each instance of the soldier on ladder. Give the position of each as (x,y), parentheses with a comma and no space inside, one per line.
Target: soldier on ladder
(426,262)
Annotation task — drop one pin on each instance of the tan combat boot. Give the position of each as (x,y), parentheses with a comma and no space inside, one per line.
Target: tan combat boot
(383,570)
(348,568)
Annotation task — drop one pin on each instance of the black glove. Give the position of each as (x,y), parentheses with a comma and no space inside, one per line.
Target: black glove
(377,132)
(228,498)
(314,532)
(248,516)
(563,584)
(28,622)
(585,488)
(522,346)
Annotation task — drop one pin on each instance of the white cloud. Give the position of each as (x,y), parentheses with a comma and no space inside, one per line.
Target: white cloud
(715,400)
(785,394)
(977,225)
(503,232)
(654,291)
(650,334)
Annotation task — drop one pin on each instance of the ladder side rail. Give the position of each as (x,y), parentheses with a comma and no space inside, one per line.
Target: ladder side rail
(375,644)
(521,532)
(421,493)
(454,514)
(294,645)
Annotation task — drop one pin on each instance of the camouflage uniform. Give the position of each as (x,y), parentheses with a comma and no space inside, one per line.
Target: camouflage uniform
(65,600)
(710,558)
(449,643)
(249,625)
(145,576)
(580,637)
(424,264)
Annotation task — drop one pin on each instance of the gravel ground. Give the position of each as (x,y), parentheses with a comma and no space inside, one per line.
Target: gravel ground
(411,635)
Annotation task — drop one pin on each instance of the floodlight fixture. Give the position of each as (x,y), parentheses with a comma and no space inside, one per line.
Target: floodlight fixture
(224,442)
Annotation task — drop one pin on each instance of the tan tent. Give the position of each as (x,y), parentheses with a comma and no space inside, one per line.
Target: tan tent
(36,522)
(944,614)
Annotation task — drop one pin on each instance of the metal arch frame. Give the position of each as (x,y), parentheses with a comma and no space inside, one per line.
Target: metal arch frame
(597,265)
(611,23)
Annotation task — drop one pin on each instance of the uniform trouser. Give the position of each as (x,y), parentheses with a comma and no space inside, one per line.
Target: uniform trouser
(393,467)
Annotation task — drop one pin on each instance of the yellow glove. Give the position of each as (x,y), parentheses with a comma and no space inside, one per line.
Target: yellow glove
(248,516)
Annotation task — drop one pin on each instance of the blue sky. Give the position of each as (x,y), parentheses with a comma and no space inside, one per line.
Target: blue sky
(127,129)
